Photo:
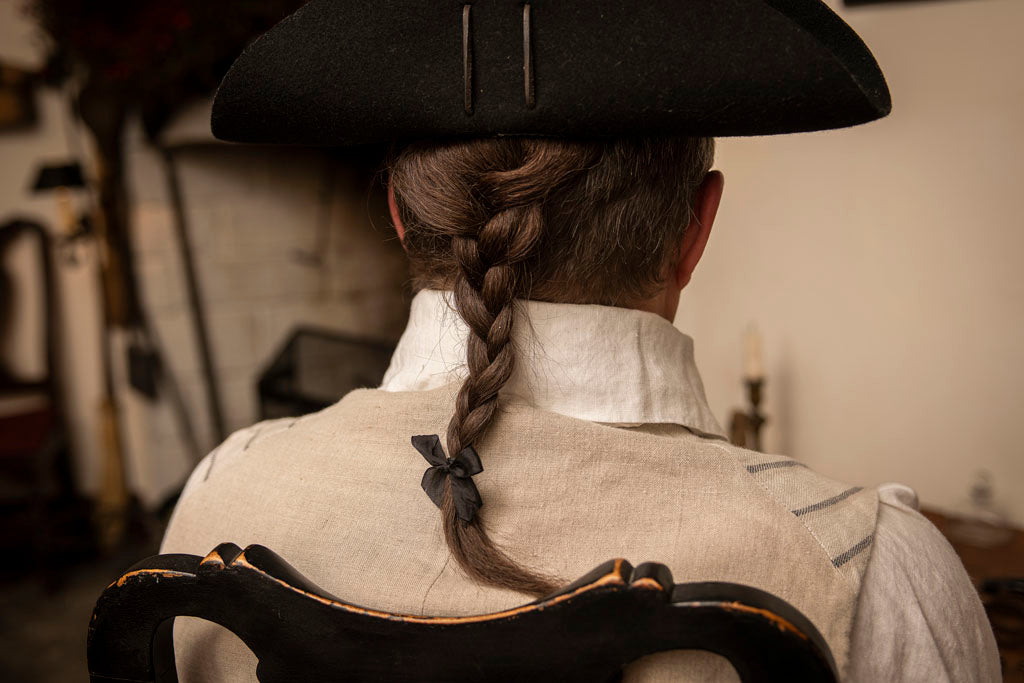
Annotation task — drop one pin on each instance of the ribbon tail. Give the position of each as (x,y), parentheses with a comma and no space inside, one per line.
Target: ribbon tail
(433,484)
(429,446)
(467,498)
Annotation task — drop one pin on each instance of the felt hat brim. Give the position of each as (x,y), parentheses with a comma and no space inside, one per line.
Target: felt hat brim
(343,72)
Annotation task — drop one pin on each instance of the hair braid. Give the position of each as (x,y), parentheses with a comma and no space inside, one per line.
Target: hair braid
(500,219)
(491,271)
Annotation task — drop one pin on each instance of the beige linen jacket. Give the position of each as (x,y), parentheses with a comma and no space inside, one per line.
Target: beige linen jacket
(604,448)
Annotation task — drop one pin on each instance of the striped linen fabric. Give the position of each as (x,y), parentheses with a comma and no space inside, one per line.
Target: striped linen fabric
(841,517)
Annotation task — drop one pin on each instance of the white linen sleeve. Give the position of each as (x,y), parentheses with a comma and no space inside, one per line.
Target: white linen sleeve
(919,618)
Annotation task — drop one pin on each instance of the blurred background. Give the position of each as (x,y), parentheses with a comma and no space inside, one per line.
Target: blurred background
(159,289)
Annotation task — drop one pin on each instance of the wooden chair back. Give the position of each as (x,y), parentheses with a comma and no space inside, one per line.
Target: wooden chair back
(587,631)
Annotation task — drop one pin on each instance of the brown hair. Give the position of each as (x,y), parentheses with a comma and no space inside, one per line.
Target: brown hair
(501,219)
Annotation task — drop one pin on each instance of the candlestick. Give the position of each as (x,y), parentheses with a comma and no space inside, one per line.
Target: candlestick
(745,425)
(752,365)
(755,419)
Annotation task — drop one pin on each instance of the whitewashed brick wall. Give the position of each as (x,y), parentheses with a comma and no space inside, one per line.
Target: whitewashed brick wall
(253,215)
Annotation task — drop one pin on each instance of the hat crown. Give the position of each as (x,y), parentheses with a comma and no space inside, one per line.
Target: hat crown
(339,73)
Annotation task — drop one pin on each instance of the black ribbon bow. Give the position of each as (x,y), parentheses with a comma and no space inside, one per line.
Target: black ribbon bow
(458,470)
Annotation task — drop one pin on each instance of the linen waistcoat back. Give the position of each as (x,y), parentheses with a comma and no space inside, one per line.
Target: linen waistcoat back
(338,495)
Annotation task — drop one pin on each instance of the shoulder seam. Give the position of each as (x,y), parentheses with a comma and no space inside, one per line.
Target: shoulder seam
(783,462)
(251,433)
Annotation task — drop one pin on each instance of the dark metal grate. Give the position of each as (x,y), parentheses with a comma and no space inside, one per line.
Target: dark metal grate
(315,368)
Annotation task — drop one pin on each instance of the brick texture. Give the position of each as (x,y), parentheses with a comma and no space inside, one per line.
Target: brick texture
(280,238)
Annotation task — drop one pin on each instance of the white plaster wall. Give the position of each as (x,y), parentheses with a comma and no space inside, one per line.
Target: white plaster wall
(883,266)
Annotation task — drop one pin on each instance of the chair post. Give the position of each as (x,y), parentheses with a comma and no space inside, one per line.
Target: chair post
(133,619)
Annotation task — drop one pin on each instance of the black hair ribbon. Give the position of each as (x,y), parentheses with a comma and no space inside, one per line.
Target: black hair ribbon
(458,470)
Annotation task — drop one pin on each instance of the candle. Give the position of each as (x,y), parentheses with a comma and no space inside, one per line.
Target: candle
(752,367)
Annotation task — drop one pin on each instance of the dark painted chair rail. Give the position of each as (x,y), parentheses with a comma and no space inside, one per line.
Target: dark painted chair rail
(588,631)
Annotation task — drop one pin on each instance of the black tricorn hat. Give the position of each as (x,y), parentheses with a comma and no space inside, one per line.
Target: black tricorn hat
(343,72)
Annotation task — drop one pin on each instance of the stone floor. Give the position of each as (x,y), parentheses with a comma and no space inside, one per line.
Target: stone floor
(43,621)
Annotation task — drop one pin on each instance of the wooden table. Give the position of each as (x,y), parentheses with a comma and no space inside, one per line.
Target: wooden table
(987,563)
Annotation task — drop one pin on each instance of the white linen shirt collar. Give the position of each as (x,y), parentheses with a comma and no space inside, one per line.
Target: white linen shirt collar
(599,363)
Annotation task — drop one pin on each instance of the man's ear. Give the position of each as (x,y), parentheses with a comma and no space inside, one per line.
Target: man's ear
(393,210)
(705,208)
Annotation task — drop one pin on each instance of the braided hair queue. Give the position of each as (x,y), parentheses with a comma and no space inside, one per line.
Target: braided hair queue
(501,219)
